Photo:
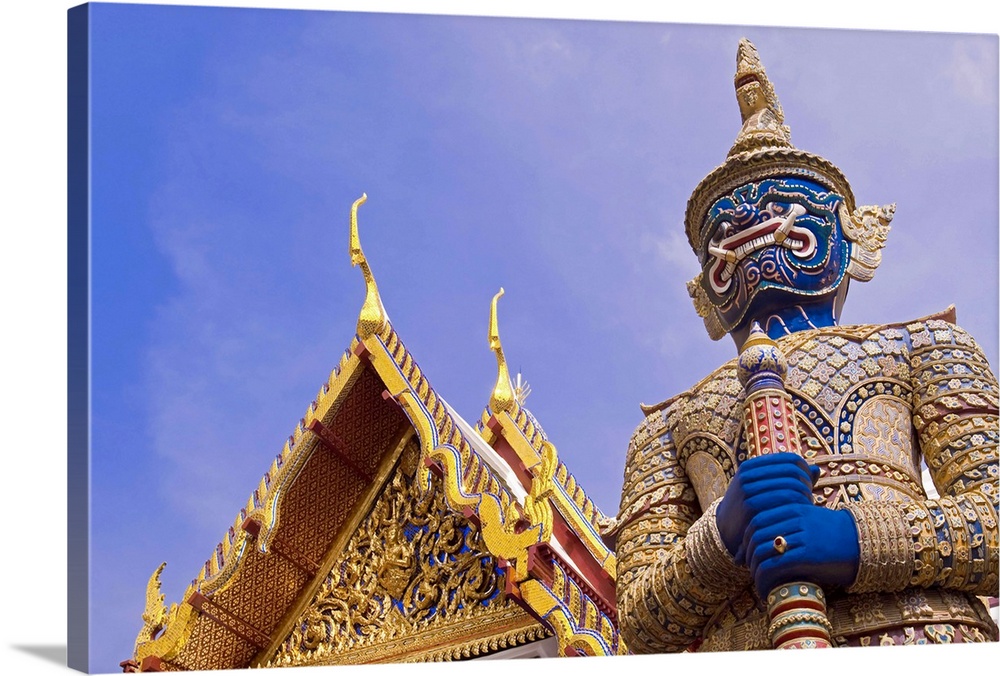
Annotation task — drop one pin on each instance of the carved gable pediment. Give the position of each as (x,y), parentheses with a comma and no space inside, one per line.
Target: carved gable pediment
(413,583)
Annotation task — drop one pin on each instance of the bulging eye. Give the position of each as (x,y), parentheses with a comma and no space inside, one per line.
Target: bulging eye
(724,230)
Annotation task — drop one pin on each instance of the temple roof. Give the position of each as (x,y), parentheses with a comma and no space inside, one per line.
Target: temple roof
(502,477)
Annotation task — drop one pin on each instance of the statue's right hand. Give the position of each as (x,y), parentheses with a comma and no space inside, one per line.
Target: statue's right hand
(760,484)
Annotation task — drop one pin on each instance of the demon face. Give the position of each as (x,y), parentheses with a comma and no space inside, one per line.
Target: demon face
(771,244)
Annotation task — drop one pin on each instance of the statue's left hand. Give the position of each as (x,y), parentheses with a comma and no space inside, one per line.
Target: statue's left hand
(821,547)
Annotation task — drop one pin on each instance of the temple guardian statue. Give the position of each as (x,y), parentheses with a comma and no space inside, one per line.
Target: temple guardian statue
(779,502)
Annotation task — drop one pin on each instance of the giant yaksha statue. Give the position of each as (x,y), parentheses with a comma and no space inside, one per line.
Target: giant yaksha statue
(710,527)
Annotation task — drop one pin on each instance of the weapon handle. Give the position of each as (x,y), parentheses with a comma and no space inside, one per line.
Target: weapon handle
(796,610)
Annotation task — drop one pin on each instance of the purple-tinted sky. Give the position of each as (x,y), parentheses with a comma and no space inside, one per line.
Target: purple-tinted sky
(553,158)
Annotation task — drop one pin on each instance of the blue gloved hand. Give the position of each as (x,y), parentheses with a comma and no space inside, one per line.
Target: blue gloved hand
(821,547)
(761,484)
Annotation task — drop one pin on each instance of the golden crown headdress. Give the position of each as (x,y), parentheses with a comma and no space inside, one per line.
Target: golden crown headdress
(763,149)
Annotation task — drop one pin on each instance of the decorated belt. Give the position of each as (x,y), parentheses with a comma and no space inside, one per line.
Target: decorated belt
(912,616)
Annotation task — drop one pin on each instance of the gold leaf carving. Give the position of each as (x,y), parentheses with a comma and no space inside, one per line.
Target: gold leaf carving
(413,567)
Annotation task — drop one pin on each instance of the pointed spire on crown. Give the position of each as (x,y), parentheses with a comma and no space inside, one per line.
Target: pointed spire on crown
(763,119)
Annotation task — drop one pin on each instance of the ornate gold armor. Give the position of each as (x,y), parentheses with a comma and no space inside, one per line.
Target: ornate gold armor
(871,402)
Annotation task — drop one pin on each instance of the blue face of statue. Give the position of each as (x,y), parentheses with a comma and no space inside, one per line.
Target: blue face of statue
(771,245)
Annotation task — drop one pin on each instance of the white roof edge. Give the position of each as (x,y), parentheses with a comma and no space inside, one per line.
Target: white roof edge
(507,476)
(504,471)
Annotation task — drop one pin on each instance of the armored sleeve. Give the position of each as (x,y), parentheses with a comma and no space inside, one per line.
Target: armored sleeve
(673,570)
(949,542)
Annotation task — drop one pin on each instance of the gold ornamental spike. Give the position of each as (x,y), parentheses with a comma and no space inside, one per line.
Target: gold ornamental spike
(763,119)
(751,78)
(372,318)
(154,611)
(154,615)
(502,398)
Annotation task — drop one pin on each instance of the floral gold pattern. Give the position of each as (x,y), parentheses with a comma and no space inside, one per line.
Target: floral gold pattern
(414,566)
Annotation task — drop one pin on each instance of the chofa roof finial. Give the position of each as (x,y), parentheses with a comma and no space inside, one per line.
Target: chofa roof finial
(502,398)
(373,317)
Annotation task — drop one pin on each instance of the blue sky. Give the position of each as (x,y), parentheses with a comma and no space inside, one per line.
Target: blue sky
(553,158)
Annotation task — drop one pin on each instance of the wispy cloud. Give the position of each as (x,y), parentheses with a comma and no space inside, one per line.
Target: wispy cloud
(969,68)
(671,249)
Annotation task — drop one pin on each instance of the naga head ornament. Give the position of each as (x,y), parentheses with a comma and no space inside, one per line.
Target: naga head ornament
(775,226)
